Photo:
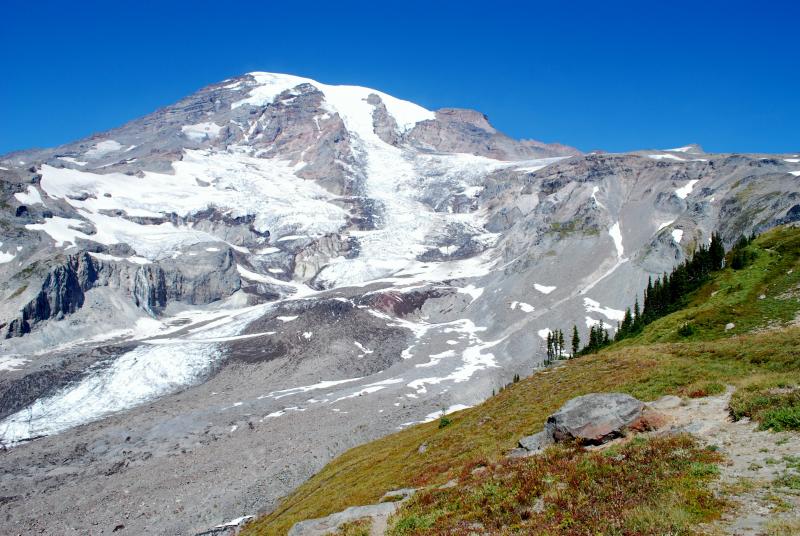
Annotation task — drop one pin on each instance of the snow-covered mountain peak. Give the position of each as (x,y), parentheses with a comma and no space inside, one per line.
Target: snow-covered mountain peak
(350,102)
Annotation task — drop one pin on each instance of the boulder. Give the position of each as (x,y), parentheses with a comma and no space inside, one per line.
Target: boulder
(595,418)
(535,442)
(589,420)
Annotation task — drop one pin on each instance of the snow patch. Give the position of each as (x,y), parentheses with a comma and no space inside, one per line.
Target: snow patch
(616,235)
(72,160)
(305,388)
(201,131)
(6,257)
(544,289)
(362,348)
(543,333)
(473,291)
(452,409)
(436,358)
(103,148)
(106,257)
(684,191)
(677,235)
(29,197)
(12,363)
(665,224)
(524,307)
(593,306)
(234,522)
(595,190)
(665,157)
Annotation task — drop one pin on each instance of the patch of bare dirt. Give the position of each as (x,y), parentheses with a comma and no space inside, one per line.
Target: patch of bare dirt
(757,477)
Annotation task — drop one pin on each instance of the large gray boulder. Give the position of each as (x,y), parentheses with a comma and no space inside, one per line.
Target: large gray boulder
(595,418)
(589,420)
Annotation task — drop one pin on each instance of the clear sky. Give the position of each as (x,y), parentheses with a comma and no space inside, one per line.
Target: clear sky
(597,75)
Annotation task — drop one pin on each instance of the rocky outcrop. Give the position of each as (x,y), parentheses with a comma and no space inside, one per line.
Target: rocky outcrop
(383,123)
(210,277)
(297,127)
(378,514)
(311,259)
(62,293)
(457,130)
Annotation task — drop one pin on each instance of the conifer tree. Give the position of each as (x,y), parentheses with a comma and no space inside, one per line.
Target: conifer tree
(576,340)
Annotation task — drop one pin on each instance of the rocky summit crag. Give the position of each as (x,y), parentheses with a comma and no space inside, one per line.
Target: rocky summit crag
(202,307)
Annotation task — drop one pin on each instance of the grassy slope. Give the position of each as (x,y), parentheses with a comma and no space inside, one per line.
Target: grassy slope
(646,487)
(656,362)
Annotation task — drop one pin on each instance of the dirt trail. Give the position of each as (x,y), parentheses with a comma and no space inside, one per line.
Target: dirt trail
(756,462)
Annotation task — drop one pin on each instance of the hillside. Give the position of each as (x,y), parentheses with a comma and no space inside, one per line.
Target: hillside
(758,355)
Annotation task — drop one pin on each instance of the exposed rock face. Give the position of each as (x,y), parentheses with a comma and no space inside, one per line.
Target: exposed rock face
(378,514)
(382,121)
(467,131)
(207,279)
(311,259)
(211,277)
(62,293)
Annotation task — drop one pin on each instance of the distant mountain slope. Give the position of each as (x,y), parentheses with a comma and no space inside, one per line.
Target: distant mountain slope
(760,350)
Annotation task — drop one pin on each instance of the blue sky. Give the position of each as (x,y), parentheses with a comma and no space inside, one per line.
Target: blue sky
(597,75)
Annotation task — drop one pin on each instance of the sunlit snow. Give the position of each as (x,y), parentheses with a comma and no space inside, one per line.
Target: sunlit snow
(593,306)
(30,197)
(544,289)
(684,191)
(665,157)
(103,148)
(201,131)
(616,235)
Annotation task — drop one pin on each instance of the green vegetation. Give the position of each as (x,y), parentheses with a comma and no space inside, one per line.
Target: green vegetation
(360,527)
(760,353)
(763,295)
(555,346)
(571,491)
(444,422)
(775,405)
(707,389)
(17,292)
